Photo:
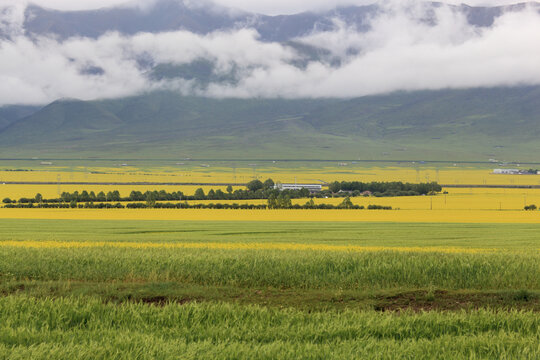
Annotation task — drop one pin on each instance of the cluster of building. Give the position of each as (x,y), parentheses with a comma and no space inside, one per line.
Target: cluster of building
(313,188)
(515,172)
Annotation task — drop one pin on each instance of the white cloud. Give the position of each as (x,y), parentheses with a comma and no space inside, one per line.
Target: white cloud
(11,17)
(44,70)
(398,53)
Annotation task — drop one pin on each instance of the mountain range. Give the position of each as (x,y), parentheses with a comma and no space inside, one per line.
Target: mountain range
(478,124)
(171,15)
(471,124)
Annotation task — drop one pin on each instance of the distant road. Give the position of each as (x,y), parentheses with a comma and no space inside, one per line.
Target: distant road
(117,183)
(193,160)
(494,186)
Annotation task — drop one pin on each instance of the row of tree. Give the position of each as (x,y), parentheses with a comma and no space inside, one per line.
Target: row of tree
(72,205)
(255,189)
(282,203)
(394,188)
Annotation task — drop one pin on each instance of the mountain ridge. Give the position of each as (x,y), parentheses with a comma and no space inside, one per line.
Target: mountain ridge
(172,15)
(471,124)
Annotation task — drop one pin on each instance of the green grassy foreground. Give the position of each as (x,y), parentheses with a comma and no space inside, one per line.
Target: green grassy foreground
(152,301)
(88,329)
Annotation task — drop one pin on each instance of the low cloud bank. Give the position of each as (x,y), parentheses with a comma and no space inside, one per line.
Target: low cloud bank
(401,51)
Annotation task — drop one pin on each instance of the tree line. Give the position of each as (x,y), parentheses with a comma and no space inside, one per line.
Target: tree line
(394,188)
(255,190)
(281,202)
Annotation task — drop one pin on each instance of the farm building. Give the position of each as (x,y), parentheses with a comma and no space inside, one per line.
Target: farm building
(311,187)
(506,171)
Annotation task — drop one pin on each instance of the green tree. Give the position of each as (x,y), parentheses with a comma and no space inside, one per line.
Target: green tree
(220,195)
(310,204)
(85,196)
(346,203)
(135,196)
(268,184)
(115,195)
(38,198)
(66,197)
(284,201)
(101,196)
(272,202)
(255,185)
(229,189)
(199,194)
(150,200)
(7,201)
(334,187)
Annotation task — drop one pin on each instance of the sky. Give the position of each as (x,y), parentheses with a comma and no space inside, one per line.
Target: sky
(399,52)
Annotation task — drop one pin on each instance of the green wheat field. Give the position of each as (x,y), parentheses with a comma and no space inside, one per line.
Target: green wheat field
(264,290)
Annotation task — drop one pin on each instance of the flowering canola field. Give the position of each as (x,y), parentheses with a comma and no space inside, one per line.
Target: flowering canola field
(413,173)
(405,216)
(478,205)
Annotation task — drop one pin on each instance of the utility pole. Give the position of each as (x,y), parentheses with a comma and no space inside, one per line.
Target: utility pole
(58,179)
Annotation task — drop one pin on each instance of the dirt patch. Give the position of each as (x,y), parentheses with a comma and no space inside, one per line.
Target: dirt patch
(163,300)
(441,300)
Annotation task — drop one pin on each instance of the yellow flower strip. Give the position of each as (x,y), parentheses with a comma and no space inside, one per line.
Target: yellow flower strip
(240,246)
(398,216)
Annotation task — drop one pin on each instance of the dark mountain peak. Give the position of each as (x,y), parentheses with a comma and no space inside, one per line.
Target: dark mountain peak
(204,17)
(162,16)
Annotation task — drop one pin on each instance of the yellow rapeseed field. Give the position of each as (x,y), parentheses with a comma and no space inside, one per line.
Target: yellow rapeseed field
(53,191)
(432,216)
(408,172)
(241,246)
(456,199)
(459,205)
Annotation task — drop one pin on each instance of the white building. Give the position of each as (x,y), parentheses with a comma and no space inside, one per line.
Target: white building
(310,187)
(506,171)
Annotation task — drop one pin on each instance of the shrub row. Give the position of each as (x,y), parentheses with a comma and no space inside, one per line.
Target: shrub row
(184,205)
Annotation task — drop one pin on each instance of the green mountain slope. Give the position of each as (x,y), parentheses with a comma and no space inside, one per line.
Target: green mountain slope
(10,114)
(475,124)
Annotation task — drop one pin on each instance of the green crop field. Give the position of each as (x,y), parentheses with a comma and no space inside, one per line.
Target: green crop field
(191,290)
(89,329)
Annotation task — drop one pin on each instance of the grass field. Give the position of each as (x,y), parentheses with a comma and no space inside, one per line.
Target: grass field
(89,329)
(168,289)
